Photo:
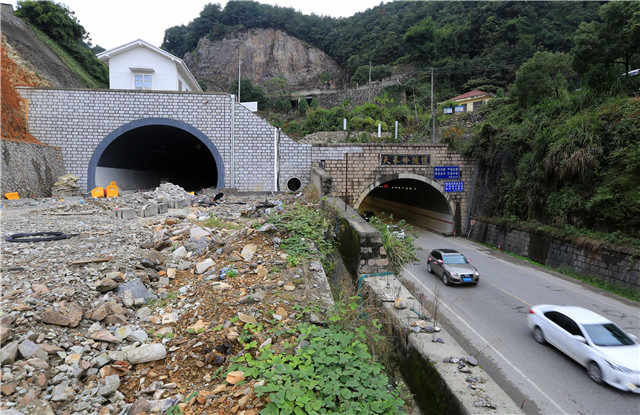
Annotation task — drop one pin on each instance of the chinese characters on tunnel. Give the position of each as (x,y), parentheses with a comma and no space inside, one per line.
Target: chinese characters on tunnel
(405,159)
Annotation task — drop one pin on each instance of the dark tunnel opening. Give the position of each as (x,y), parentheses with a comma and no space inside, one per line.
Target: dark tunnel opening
(415,201)
(144,157)
(412,193)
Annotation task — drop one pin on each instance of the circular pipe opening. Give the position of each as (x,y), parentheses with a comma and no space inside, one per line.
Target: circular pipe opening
(294,184)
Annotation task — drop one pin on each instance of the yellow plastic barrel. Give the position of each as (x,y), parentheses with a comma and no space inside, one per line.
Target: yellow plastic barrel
(97,192)
(112,190)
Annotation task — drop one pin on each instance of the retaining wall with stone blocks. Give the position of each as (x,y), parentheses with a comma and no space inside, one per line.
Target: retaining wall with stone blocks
(322,182)
(29,169)
(615,265)
(359,243)
(438,387)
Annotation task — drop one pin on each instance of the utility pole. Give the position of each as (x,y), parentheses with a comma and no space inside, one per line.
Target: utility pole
(369,80)
(239,65)
(433,113)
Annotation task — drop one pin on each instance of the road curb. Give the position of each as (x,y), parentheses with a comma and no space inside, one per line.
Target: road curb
(446,385)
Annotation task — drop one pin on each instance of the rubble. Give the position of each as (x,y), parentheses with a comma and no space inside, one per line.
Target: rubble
(134,316)
(66,186)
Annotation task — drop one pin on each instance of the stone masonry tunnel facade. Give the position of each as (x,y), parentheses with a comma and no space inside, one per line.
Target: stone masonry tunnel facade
(248,154)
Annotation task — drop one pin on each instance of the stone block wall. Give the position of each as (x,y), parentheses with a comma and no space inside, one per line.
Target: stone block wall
(29,169)
(322,181)
(77,121)
(359,243)
(358,169)
(615,265)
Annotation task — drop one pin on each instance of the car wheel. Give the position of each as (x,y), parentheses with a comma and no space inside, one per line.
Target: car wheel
(595,374)
(429,268)
(445,278)
(537,334)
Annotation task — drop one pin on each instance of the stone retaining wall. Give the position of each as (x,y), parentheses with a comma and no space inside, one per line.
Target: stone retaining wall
(29,169)
(610,264)
(359,243)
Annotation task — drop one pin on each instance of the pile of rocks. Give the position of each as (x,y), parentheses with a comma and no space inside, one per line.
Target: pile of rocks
(66,186)
(136,316)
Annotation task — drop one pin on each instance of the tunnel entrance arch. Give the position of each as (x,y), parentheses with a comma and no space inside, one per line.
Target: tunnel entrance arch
(430,207)
(150,150)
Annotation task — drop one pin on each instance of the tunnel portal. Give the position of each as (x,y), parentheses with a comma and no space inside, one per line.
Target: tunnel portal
(416,201)
(143,156)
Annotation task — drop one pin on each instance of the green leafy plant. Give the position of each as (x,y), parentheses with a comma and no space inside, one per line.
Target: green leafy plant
(308,229)
(214,222)
(335,373)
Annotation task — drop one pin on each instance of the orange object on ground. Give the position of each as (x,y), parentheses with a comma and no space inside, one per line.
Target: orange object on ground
(12,196)
(97,192)
(112,190)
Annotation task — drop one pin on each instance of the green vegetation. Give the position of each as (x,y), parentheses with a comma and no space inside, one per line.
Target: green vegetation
(308,230)
(62,27)
(574,160)
(214,222)
(399,251)
(71,63)
(334,373)
(491,37)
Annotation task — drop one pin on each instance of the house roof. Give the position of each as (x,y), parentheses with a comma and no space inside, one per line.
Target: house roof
(476,93)
(182,68)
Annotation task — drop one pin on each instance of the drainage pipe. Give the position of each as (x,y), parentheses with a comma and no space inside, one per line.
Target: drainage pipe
(233,131)
(276,155)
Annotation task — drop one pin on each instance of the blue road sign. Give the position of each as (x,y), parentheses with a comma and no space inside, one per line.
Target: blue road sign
(454,186)
(446,172)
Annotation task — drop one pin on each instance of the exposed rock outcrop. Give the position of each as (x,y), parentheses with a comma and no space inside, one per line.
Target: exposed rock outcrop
(265,54)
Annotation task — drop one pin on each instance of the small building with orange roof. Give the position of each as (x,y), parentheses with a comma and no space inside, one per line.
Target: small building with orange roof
(472,100)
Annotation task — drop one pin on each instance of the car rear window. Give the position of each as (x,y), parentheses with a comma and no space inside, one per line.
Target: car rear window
(454,259)
(607,335)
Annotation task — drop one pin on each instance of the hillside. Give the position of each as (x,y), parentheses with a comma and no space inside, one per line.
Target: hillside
(493,38)
(28,61)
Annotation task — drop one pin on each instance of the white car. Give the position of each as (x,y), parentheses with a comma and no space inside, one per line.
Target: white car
(609,354)
(396,231)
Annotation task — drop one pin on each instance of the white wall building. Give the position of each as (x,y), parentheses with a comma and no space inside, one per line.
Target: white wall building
(140,65)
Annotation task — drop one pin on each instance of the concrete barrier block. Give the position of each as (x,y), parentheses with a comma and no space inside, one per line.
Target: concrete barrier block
(126,213)
(150,209)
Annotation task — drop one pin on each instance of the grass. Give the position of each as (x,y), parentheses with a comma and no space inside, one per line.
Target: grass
(214,222)
(592,280)
(71,63)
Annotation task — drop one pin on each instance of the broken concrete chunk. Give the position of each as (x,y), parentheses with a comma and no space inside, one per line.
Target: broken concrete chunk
(147,353)
(201,267)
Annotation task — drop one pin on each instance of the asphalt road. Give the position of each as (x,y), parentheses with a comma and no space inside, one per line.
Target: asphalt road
(489,320)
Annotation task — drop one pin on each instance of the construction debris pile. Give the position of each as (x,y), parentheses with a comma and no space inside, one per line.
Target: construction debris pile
(66,186)
(144,316)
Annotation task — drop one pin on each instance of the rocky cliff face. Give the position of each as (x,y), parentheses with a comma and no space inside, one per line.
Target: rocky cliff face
(265,54)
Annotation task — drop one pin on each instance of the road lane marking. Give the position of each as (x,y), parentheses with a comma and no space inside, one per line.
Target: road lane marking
(484,281)
(490,346)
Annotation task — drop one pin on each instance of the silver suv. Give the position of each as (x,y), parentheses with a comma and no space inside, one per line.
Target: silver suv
(452,266)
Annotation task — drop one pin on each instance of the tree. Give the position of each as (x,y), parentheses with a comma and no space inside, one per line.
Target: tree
(59,23)
(249,92)
(544,76)
(615,40)
(303,106)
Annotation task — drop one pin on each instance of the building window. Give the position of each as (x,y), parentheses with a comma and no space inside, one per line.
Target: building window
(464,107)
(179,85)
(143,81)
(477,105)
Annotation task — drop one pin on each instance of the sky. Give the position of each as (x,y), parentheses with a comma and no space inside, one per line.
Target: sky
(112,23)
